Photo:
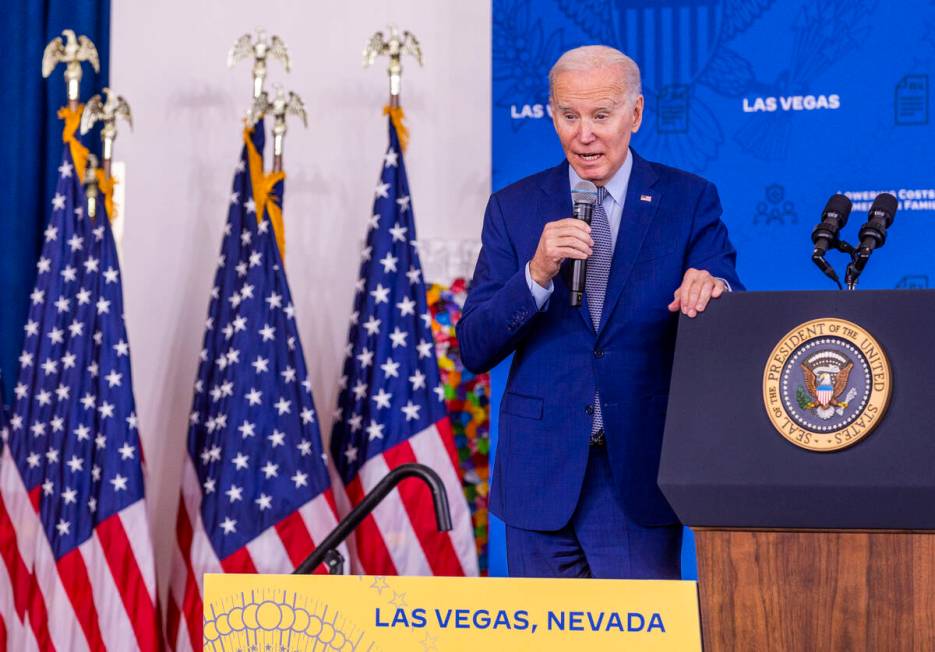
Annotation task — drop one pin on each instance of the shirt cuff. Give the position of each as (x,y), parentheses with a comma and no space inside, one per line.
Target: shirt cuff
(722,280)
(539,293)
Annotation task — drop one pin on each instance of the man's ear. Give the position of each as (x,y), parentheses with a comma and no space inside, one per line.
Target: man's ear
(637,113)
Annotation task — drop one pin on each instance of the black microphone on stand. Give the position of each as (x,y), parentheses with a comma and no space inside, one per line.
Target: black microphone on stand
(583,196)
(825,233)
(872,234)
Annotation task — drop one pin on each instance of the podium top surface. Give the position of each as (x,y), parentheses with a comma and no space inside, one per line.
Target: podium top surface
(724,464)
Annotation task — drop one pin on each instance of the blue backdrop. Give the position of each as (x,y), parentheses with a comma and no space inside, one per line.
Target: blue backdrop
(31,144)
(780,104)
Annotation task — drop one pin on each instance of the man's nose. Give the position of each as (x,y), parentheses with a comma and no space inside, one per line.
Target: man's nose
(586,133)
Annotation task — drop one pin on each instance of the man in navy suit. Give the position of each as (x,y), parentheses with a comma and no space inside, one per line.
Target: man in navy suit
(582,417)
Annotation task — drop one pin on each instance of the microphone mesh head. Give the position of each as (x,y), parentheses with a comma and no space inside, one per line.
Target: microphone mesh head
(584,192)
(887,203)
(839,205)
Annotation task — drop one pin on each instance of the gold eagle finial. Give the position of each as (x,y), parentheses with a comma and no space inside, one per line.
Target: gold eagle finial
(72,51)
(261,48)
(394,46)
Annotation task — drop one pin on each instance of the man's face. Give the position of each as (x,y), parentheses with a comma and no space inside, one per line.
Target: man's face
(593,121)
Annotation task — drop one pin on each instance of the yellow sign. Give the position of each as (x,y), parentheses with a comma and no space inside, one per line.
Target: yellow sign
(289,613)
(826,384)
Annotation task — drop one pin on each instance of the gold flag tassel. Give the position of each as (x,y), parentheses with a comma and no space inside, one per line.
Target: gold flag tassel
(105,185)
(79,153)
(263,196)
(274,209)
(396,117)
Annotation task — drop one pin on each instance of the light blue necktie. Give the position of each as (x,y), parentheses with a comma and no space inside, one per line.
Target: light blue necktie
(596,282)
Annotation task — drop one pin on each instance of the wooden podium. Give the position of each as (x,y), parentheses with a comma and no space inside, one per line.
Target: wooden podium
(799,549)
(811,590)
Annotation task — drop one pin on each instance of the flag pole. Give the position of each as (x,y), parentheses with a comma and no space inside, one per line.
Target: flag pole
(91,189)
(282,106)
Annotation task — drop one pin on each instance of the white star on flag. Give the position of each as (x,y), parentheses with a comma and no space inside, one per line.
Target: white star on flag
(424,348)
(372,325)
(382,398)
(411,410)
(270,470)
(380,294)
(389,263)
(375,430)
(406,307)
(390,368)
(398,337)
(399,233)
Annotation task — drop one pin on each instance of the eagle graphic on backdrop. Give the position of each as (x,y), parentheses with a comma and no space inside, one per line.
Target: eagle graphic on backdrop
(825,376)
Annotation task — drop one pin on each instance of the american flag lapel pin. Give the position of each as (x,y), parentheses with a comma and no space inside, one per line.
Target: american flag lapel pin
(646,198)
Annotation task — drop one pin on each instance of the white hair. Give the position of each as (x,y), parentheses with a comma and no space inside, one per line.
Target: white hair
(590,57)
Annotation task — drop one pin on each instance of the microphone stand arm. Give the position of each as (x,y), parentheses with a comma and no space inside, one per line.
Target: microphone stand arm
(327,550)
(846,248)
(859,257)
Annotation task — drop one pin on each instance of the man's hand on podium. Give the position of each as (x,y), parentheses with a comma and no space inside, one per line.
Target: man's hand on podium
(698,287)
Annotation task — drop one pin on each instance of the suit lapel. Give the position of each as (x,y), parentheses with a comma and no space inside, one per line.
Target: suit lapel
(639,209)
(554,204)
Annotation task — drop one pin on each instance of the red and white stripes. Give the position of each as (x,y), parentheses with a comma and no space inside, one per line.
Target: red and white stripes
(400,536)
(101,595)
(278,549)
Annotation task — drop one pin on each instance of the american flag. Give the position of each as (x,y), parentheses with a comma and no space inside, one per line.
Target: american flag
(74,534)
(6,592)
(391,408)
(256,493)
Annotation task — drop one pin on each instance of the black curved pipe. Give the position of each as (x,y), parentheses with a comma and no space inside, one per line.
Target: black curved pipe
(327,550)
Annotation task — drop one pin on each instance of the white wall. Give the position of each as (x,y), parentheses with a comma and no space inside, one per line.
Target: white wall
(169,61)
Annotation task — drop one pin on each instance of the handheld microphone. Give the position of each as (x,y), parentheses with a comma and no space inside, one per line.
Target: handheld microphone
(872,234)
(583,196)
(825,234)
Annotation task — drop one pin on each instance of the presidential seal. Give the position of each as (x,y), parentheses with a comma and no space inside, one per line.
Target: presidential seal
(826,384)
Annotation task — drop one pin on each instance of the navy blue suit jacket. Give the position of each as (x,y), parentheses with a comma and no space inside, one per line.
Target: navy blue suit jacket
(671,221)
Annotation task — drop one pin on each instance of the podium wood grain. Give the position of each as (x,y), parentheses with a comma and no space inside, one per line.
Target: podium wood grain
(807,590)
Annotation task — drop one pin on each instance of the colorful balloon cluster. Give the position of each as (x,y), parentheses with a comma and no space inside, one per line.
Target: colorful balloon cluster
(468,399)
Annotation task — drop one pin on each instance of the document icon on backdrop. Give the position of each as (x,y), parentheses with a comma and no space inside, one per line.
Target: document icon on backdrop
(912,100)
(672,104)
